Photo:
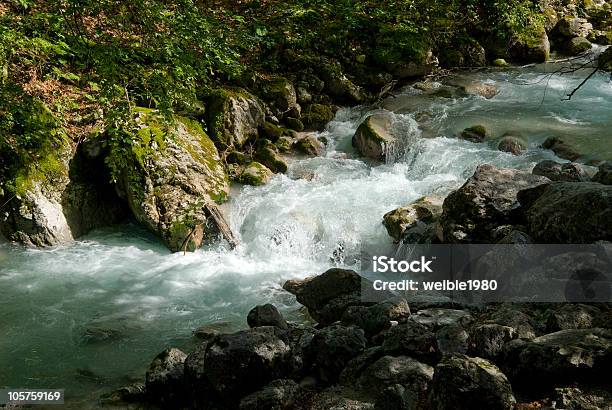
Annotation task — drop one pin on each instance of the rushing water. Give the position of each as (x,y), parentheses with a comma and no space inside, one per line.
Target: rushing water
(120,282)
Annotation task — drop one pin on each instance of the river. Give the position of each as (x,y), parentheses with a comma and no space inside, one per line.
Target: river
(121,283)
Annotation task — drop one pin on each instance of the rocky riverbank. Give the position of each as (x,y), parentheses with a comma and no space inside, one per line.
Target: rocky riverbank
(414,352)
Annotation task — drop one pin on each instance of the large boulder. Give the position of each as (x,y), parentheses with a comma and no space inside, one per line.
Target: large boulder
(280,95)
(512,144)
(488,340)
(570,27)
(486,200)
(165,378)
(374,137)
(266,315)
(576,46)
(462,382)
(52,193)
(255,174)
(172,180)
(228,367)
(567,355)
(338,85)
(561,148)
(569,212)
(316,116)
(412,339)
(233,116)
(555,171)
(328,295)
(374,319)
(399,221)
(530,48)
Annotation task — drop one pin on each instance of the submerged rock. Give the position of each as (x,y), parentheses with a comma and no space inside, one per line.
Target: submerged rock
(561,148)
(486,200)
(374,137)
(570,212)
(512,144)
(555,171)
(476,133)
(233,116)
(170,188)
(462,382)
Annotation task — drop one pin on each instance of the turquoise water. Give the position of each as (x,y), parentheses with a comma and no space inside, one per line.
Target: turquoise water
(121,283)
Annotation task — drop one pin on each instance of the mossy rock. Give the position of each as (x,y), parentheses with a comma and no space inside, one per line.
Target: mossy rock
(236,157)
(500,62)
(317,116)
(531,45)
(168,187)
(279,93)
(294,124)
(284,144)
(271,131)
(399,221)
(268,156)
(255,174)
(476,133)
(373,137)
(576,46)
(309,145)
(233,117)
(605,60)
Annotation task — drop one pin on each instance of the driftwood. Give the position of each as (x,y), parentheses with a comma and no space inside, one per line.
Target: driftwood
(213,211)
(196,236)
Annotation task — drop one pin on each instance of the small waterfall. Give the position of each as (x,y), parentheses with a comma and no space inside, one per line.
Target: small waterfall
(407,133)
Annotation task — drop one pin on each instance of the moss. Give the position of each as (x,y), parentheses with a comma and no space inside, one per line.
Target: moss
(295,124)
(270,158)
(476,133)
(272,132)
(316,116)
(255,174)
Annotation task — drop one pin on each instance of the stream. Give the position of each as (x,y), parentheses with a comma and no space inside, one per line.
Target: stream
(90,316)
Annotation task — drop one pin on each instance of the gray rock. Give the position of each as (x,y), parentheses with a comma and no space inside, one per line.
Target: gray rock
(374,138)
(570,316)
(412,339)
(452,339)
(567,355)
(280,94)
(164,380)
(555,171)
(573,398)
(438,317)
(476,133)
(523,325)
(309,145)
(488,340)
(604,174)
(399,221)
(374,319)
(333,347)
(512,145)
(462,382)
(485,201)
(403,370)
(221,371)
(266,315)
(340,87)
(571,27)
(570,212)
(278,395)
(561,148)
(233,116)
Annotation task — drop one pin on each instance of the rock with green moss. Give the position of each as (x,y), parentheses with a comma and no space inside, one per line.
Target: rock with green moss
(317,116)
(255,174)
(309,145)
(339,86)
(374,137)
(233,116)
(236,157)
(173,173)
(280,95)
(467,53)
(476,133)
(268,155)
(271,131)
(51,193)
(294,124)
(576,46)
(530,46)
(284,144)
(500,62)
(601,37)
(570,27)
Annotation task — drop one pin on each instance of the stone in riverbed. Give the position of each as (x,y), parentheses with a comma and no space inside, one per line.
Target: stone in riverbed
(164,380)
(233,116)
(577,45)
(570,27)
(279,394)
(316,116)
(488,340)
(476,133)
(255,174)
(512,144)
(604,174)
(221,371)
(569,212)
(268,155)
(465,383)
(485,201)
(412,339)
(374,137)
(399,221)
(374,319)
(564,356)
(561,148)
(555,171)
(309,145)
(266,315)
(333,347)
